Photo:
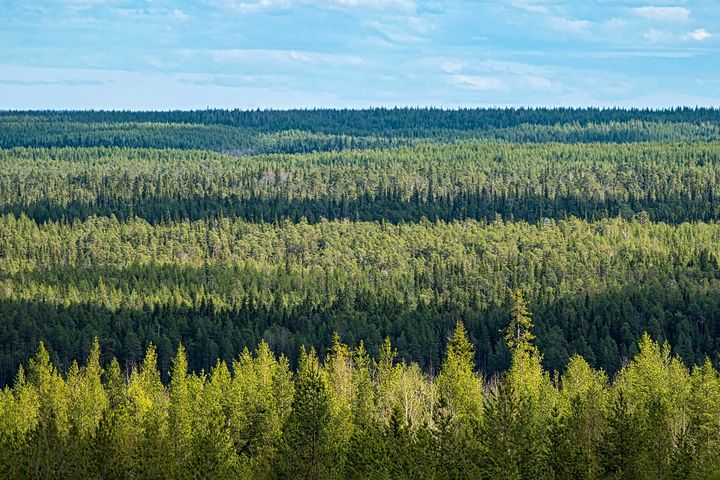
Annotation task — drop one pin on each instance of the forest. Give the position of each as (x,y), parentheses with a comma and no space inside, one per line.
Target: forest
(345,414)
(382,293)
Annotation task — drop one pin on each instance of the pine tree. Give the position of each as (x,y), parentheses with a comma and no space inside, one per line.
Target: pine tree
(180,420)
(307,451)
(658,389)
(621,451)
(518,334)
(19,419)
(584,404)
(118,435)
(363,403)
(340,372)
(213,451)
(499,435)
(258,403)
(458,385)
(51,435)
(149,408)
(532,396)
(703,438)
(367,454)
(87,403)
(459,411)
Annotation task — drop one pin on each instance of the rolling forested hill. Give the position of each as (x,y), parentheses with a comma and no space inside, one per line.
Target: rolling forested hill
(386,293)
(222,228)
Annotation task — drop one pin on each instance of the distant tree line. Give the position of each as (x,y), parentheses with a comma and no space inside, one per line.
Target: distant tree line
(477,180)
(302,131)
(381,120)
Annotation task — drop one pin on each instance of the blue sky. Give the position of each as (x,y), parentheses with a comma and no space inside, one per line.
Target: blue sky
(161,54)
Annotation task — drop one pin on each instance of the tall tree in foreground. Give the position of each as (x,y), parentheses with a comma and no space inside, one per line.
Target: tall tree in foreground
(514,433)
(307,450)
(149,407)
(257,403)
(87,403)
(51,434)
(459,410)
(578,421)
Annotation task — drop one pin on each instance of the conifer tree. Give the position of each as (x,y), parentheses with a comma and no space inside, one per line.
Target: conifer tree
(19,419)
(307,448)
(258,404)
(518,334)
(118,434)
(363,402)
(459,410)
(180,415)
(149,407)
(703,436)
(213,450)
(499,436)
(51,434)
(340,373)
(579,420)
(532,397)
(621,452)
(87,402)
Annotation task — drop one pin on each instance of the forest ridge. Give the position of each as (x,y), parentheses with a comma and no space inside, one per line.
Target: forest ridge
(221,228)
(382,293)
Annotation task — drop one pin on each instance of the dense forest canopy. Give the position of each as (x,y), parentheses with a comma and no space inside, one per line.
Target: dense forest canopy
(343,414)
(668,182)
(221,285)
(297,131)
(219,229)
(382,120)
(370,294)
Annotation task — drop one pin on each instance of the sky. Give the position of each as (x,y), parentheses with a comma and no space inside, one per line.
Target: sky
(183,54)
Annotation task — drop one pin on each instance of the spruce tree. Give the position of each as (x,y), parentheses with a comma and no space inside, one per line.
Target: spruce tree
(459,410)
(307,449)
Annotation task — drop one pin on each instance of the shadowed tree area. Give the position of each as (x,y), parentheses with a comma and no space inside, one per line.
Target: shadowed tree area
(345,414)
(371,294)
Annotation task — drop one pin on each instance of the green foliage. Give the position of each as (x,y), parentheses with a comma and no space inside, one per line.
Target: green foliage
(220,242)
(309,130)
(307,442)
(518,334)
(459,387)
(221,286)
(358,418)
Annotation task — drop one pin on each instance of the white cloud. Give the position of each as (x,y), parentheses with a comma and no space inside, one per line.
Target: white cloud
(291,56)
(663,14)
(699,35)
(400,28)
(571,26)
(252,6)
(657,36)
(85,3)
(29,88)
(512,68)
(653,53)
(406,5)
(451,66)
(486,84)
(534,82)
(242,6)
(532,6)
(179,15)
(555,16)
